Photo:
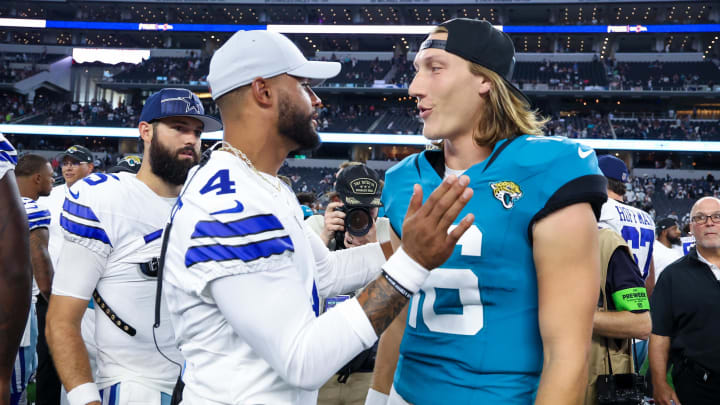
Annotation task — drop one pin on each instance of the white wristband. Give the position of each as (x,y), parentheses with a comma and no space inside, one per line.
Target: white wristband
(84,394)
(406,271)
(376,398)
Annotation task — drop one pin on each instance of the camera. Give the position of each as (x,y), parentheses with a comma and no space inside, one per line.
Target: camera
(359,189)
(358,220)
(621,389)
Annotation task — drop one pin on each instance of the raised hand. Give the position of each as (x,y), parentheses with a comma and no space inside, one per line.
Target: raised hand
(425,235)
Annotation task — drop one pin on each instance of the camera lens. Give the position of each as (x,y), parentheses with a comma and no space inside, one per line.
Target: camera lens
(358,221)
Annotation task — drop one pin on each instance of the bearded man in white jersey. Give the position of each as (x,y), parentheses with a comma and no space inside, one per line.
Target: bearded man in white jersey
(243,272)
(112,225)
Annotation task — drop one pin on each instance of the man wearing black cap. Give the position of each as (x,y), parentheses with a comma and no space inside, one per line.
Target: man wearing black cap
(493,325)
(75,163)
(350,195)
(130,164)
(243,273)
(112,224)
(668,245)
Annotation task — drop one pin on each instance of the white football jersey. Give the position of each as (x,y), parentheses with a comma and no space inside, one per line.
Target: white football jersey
(215,235)
(635,226)
(8,156)
(686,243)
(54,203)
(120,219)
(38,217)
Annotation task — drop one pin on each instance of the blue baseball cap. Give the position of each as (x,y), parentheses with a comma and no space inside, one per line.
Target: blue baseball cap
(178,103)
(613,168)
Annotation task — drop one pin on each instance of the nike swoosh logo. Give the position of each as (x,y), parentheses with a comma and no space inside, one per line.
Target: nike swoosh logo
(237,208)
(583,154)
(74,195)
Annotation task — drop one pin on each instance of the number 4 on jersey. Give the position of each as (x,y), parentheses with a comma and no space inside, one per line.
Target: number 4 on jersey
(219,181)
(470,320)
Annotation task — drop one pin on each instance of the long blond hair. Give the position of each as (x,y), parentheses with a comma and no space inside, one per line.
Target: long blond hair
(505,114)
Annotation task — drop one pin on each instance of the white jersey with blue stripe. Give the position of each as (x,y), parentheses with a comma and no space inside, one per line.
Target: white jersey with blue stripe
(38,218)
(8,156)
(231,222)
(38,215)
(636,227)
(119,220)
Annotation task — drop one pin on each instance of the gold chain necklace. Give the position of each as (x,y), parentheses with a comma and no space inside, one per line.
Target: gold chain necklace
(224,146)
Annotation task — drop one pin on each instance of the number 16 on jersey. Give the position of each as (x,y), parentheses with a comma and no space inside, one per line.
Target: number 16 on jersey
(464,320)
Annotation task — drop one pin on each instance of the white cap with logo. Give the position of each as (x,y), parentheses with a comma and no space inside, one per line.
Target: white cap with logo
(251,54)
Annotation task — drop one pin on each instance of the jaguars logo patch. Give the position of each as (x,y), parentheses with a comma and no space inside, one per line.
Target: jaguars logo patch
(507,192)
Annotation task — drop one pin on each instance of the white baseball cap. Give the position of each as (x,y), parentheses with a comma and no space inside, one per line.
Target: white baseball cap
(251,54)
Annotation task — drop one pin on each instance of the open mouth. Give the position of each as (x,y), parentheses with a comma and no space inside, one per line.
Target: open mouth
(187,154)
(425,112)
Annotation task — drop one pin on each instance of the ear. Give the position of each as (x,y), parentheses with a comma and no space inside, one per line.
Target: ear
(483,85)
(261,91)
(37,178)
(146,131)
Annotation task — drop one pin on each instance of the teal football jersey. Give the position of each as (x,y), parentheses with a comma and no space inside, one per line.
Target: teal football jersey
(472,332)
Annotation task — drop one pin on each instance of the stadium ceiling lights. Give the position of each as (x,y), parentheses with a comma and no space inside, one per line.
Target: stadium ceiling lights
(375,139)
(352,29)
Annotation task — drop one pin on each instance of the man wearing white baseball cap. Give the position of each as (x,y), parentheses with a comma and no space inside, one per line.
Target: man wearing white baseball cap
(243,274)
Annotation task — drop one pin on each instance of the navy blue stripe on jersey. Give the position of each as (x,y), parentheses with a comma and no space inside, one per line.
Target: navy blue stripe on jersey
(241,227)
(246,253)
(39,214)
(6,157)
(79,210)
(5,146)
(83,230)
(40,223)
(7,152)
(152,236)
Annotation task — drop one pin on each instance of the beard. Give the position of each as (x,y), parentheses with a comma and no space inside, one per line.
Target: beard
(673,241)
(166,164)
(296,126)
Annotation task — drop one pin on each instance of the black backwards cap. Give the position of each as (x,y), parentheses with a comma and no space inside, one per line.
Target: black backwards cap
(479,42)
(664,224)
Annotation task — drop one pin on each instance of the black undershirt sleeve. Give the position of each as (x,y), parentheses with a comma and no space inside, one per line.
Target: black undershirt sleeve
(591,189)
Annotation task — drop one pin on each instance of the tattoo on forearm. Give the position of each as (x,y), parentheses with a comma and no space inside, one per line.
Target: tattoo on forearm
(382,303)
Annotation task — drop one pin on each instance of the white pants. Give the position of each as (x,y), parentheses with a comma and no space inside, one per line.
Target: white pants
(132,393)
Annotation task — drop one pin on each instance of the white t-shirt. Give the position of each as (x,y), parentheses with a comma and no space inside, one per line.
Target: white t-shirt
(8,156)
(663,256)
(238,229)
(112,224)
(635,226)
(715,270)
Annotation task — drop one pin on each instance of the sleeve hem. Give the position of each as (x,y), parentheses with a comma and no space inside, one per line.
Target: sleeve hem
(57,291)
(594,192)
(359,321)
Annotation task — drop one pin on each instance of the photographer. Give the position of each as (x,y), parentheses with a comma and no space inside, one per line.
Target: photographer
(351,220)
(622,315)
(357,191)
